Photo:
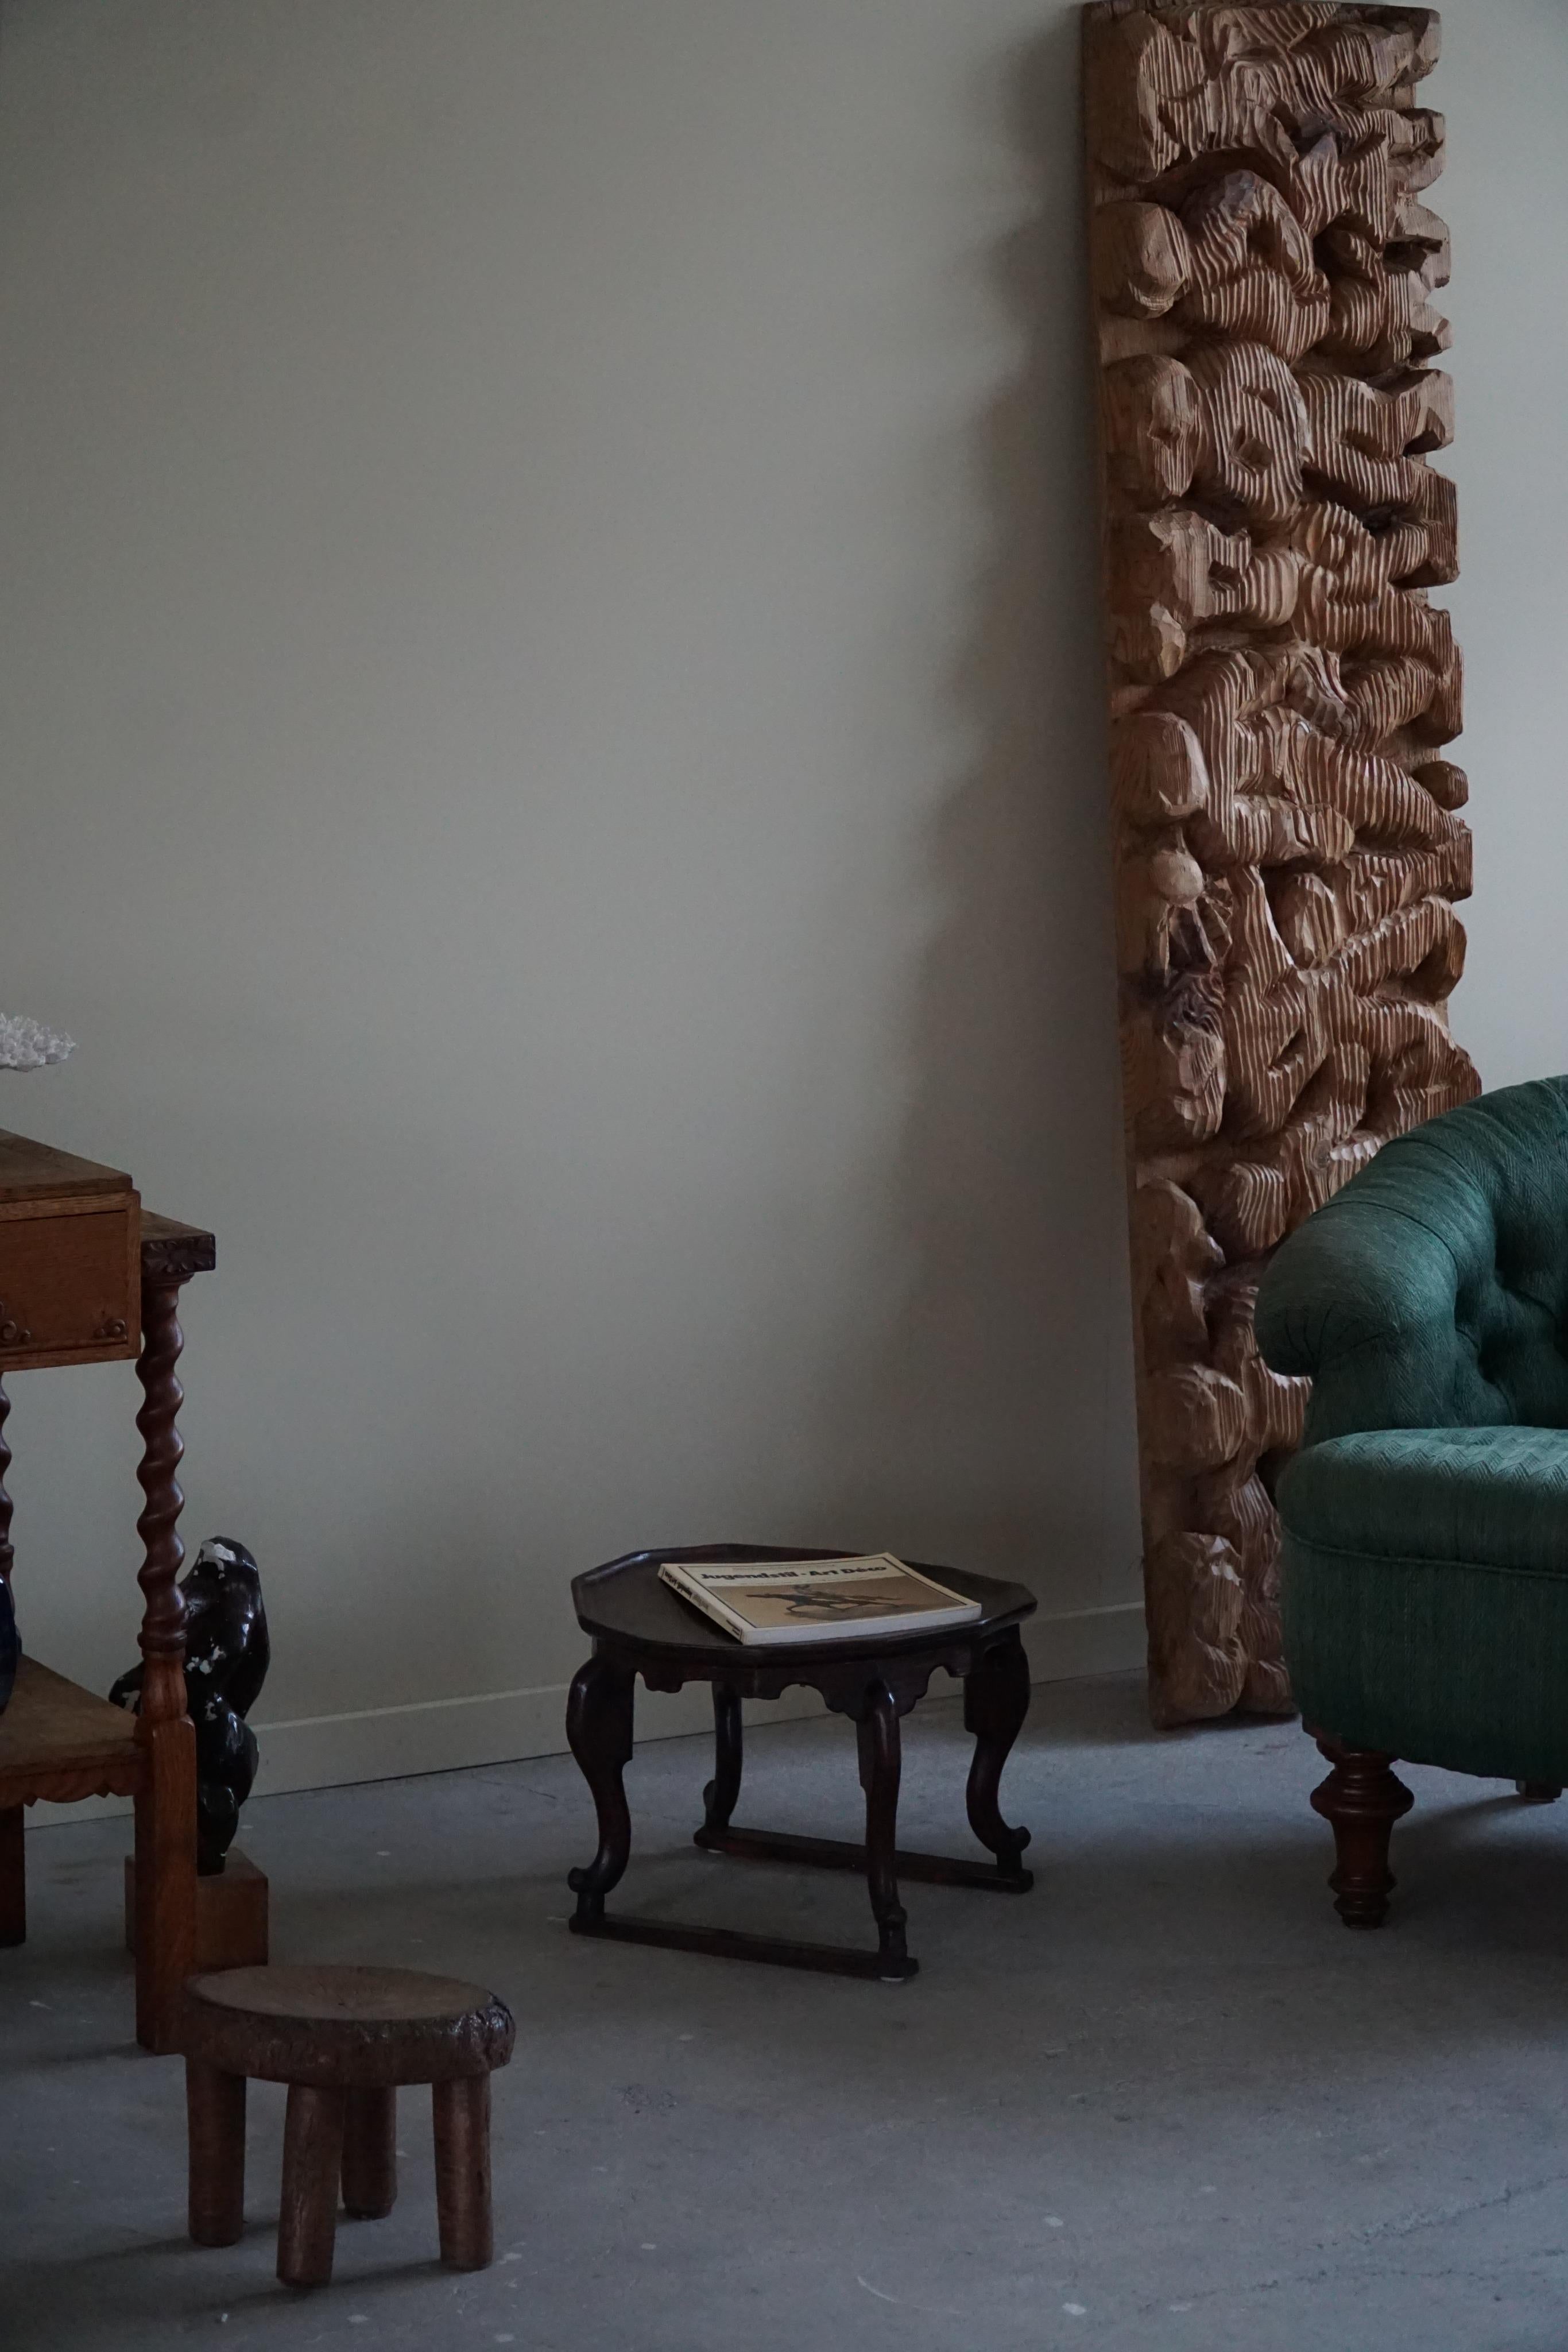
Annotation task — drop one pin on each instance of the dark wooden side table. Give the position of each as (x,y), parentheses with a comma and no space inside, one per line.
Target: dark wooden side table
(640,1627)
(86,1276)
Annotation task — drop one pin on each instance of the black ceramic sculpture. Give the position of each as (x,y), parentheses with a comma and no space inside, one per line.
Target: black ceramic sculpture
(226,1657)
(10,1644)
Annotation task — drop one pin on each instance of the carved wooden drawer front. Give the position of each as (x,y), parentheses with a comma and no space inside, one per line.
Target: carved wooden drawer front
(69,1280)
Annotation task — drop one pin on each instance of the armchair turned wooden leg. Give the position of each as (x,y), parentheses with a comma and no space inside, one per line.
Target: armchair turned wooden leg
(1361,1800)
(215,2109)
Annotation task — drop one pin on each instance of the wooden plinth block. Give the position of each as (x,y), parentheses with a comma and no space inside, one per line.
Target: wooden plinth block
(231,1915)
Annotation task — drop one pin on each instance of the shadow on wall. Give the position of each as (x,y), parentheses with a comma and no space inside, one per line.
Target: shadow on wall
(994,1422)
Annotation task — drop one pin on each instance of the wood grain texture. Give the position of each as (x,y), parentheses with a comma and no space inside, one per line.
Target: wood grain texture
(59,1742)
(1282,691)
(232,1915)
(344,2028)
(312,2165)
(344,2039)
(87,1278)
(461,2116)
(32,1170)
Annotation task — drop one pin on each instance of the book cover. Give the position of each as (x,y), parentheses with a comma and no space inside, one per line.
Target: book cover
(795,1600)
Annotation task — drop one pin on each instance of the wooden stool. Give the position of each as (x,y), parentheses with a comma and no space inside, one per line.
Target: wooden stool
(343,2039)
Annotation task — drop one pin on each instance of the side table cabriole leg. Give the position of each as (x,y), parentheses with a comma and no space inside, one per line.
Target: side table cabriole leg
(996,1701)
(723,1792)
(598,1712)
(166,1807)
(877,1736)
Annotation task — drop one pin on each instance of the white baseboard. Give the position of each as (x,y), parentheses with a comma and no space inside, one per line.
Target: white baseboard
(449,1735)
(1084,1641)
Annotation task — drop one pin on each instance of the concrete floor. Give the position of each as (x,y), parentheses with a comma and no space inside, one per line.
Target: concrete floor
(1166,2100)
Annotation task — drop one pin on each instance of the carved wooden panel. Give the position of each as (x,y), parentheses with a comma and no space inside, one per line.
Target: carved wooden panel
(1281,690)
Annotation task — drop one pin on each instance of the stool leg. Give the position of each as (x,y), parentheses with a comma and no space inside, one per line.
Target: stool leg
(312,2167)
(13,1877)
(215,2111)
(369,2155)
(462,2117)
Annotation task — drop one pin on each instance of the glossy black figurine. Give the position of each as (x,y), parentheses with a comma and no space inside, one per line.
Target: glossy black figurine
(226,1657)
(10,1644)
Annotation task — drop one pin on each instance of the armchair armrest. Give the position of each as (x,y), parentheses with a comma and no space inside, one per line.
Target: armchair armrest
(1361,1299)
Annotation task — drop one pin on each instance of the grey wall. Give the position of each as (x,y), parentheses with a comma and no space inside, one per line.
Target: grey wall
(547,639)
(1503,84)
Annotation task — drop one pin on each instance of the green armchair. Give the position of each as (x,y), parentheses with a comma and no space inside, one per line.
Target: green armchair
(1424,1557)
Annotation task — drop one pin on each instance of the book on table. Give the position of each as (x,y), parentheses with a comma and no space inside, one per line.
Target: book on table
(787,1602)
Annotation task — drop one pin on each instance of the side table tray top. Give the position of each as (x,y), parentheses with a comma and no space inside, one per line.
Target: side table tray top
(639,1626)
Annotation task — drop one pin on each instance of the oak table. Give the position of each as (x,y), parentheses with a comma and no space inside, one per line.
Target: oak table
(87,1277)
(640,1627)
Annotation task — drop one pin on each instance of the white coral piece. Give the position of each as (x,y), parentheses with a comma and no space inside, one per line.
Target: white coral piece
(27,1045)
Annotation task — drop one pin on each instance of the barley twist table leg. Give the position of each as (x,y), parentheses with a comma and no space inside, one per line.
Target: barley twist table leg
(166,1807)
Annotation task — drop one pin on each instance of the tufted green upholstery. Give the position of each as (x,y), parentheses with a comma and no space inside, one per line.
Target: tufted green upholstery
(1425,1554)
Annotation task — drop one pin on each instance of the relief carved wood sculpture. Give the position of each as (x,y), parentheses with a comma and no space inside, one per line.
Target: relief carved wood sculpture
(1281,690)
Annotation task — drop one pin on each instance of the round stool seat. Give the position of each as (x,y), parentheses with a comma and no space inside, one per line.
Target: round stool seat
(345,2028)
